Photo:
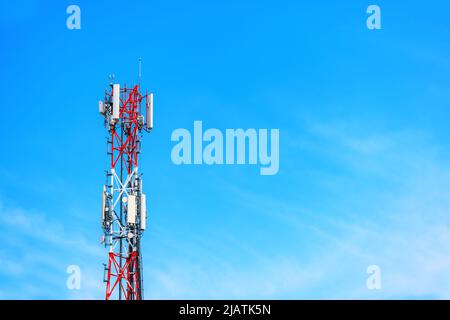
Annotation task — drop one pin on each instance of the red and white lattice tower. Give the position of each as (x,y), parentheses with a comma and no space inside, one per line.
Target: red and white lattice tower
(123,203)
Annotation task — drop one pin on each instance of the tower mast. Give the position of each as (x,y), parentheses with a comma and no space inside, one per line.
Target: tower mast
(124,210)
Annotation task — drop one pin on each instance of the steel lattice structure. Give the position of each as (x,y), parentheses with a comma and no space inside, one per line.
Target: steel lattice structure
(123,203)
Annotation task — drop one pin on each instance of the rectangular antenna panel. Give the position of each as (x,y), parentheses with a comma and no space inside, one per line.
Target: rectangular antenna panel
(116,101)
(131,212)
(143,212)
(149,111)
(103,204)
(101,107)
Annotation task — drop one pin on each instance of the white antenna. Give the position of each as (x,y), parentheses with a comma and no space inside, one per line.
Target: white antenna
(111,77)
(140,71)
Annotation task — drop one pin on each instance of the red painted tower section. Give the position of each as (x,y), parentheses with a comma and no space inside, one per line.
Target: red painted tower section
(124,211)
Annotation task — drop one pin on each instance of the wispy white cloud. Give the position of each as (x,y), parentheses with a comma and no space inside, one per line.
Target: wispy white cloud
(36,253)
(407,232)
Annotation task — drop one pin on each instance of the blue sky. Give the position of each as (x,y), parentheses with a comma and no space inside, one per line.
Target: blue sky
(364,147)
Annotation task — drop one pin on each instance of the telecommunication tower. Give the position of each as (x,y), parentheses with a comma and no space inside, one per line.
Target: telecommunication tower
(124,211)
